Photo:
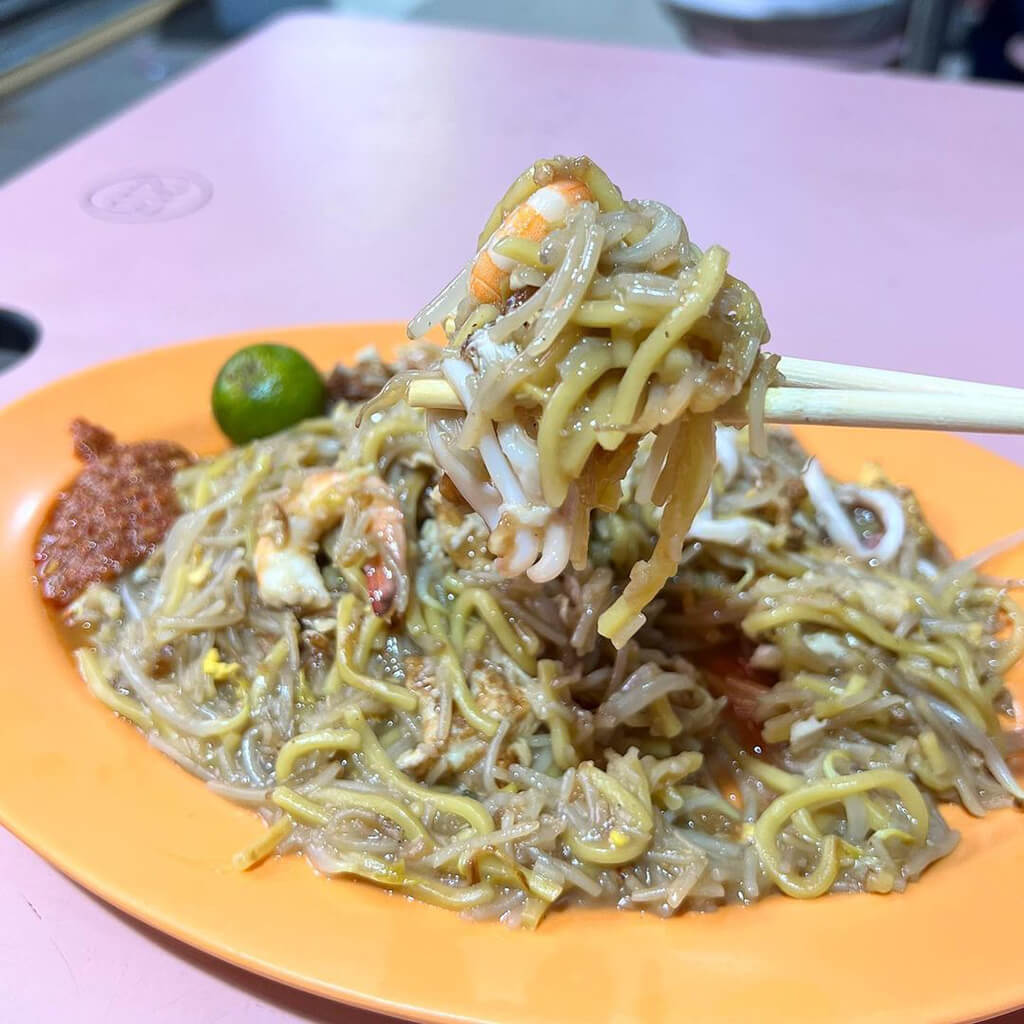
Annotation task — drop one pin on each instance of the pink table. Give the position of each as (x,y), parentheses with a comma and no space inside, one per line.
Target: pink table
(295,179)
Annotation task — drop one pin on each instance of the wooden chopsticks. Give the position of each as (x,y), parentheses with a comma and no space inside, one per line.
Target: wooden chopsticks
(907,409)
(813,373)
(856,396)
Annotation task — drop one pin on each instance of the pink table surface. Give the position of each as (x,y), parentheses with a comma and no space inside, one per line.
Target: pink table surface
(332,169)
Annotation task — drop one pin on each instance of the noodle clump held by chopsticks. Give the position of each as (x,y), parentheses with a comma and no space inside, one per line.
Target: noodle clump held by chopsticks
(584,326)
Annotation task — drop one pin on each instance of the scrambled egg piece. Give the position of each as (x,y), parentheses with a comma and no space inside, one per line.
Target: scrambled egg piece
(217,669)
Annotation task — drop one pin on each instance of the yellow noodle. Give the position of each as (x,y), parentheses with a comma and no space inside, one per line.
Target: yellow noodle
(774,778)
(845,617)
(369,630)
(493,868)
(576,449)
(379,804)
(342,672)
(695,303)
(692,464)
(665,720)
(970,679)
(817,882)
(461,694)
(614,313)
(463,698)
(562,749)
(451,897)
(262,848)
(814,795)
(471,811)
(620,846)
(590,359)
(929,744)
(326,740)
(876,817)
(602,188)
(1013,646)
(522,250)
(521,648)
(301,808)
(480,317)
(99,687)
(476,638)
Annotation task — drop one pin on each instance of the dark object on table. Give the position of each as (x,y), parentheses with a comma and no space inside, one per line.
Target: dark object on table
(18,337)
(989,42)
(16,8)
(867,35)
(857,33)
(234,16)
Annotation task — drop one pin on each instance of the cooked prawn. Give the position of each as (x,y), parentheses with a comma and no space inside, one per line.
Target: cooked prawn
(532,219)
(287,573)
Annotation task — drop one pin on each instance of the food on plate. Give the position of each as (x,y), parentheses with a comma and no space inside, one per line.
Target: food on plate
(330,634)
(265,388)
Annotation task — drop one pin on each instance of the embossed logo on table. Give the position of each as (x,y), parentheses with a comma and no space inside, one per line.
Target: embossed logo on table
(147,197)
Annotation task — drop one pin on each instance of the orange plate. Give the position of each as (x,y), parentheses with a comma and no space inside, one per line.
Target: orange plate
(85,790)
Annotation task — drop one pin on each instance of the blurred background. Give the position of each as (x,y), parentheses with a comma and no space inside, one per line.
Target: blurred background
(67,64)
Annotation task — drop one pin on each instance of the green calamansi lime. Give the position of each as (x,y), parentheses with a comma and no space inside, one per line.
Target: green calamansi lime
(262,389)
